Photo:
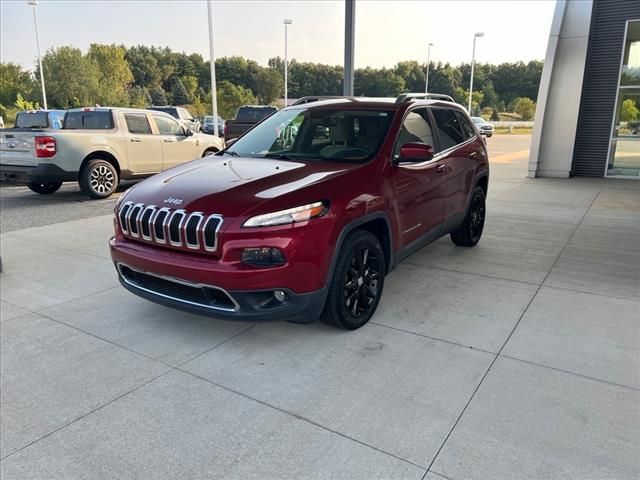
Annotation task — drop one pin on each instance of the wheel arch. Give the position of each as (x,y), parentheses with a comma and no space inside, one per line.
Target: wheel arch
(376,223)
(102,155)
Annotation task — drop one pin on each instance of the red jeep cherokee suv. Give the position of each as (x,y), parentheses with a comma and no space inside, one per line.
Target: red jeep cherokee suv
(304,215)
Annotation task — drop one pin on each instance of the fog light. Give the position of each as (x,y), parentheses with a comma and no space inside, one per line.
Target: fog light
(263,257)
(279,295)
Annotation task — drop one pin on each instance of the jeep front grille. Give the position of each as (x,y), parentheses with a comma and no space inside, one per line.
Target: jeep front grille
(171,228)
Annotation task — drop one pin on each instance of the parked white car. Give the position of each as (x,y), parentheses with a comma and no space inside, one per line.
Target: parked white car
(97,147)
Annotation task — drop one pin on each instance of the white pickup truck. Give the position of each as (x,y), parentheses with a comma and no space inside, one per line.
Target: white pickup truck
(97,147)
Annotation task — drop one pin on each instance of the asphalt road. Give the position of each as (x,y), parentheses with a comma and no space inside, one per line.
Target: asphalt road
(21,208)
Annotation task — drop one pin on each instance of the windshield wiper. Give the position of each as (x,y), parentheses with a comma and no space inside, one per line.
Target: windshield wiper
(283,156)
(226,152)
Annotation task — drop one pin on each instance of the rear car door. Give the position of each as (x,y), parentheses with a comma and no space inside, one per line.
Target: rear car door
(458,142)
(144,150)
(418,186)
(176,146)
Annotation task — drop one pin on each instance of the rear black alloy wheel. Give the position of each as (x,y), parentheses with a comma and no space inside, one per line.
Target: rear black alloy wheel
(357,284)
(98,179)
(45,188)
(469,233)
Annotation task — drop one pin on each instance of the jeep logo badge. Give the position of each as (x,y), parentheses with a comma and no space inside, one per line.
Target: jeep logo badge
(173,201)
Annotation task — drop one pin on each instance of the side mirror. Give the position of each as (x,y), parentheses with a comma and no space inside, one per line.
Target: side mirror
(230,142)
(188,132)
(414,153)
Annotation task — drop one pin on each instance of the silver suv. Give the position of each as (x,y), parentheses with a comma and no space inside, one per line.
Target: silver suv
(182,114)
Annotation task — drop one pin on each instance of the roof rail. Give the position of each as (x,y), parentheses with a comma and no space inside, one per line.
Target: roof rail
(310,99)
(407,97)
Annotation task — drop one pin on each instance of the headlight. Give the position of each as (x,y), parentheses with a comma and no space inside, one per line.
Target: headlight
(290,215)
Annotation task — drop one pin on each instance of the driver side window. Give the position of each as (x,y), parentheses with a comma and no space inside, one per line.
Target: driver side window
(416,128)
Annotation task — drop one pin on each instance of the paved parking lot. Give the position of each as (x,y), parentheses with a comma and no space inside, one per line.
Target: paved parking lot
(517,359)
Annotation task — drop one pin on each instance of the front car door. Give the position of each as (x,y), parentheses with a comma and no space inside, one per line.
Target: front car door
(177,147)
(144,150)
(418,186)
(458,141)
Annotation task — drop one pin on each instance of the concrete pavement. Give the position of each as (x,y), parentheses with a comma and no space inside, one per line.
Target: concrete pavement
(517,359)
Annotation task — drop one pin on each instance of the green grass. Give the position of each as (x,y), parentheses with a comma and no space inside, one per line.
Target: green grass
(516,130)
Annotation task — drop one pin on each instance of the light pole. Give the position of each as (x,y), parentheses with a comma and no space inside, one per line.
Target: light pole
(473,63)
(426,83)
(34,4)
(212,61)
(287,22)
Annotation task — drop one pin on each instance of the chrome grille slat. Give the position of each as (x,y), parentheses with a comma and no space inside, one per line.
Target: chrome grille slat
(178,215)
(172,228)
(210,242)
(160,225)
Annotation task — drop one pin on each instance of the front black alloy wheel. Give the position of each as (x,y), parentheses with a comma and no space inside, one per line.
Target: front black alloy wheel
(357,283)
(45,188)
(469,233)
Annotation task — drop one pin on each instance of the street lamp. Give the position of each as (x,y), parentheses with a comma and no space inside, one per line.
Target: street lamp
(34,4)
(426,83)
(473,63)
(287,22)
(212,61)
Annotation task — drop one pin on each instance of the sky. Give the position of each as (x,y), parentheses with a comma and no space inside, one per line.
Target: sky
(386,31)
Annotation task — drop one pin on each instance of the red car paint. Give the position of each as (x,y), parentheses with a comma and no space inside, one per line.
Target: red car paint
(417,202)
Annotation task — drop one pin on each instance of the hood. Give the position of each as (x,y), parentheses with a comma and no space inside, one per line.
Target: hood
(230,186)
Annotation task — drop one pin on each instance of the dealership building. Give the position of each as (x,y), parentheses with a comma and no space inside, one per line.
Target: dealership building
(587,120)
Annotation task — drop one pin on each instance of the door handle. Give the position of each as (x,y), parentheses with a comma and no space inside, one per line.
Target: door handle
(473,155)
(441,168)
(168,140)
(136,140)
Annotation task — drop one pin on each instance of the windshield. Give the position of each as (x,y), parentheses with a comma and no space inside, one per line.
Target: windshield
(328,134)
(170,110)
(477,119)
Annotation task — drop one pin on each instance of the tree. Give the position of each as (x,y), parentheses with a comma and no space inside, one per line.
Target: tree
(139,97)
(628,111)
(72,80)
(525,107)
(22,104)
(494,116)
(413,75)
(114,74)
(231,97)
(489,94)
(179,93)
(158,96)
(269,85)
(190,84)
(378,83)
(13,81)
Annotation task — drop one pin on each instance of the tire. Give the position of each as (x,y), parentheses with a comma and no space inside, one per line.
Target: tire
(469,233)
(98,179)
(358,279)
(46,188)
(490,135)
(209,151)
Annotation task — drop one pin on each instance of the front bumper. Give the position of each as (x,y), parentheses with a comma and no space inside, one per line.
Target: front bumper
(43,173)
(176,286)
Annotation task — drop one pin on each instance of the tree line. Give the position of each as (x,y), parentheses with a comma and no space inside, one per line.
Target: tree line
(138,76)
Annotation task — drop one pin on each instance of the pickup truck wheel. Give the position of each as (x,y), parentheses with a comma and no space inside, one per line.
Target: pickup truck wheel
(469,233)
(357,283)
(44,188)
(98,179)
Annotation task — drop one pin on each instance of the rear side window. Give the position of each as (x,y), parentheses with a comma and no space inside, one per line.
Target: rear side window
(449,128)
(467,129)
(32,120)
(88,121)
(137,123)
(167,126)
